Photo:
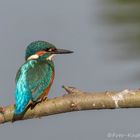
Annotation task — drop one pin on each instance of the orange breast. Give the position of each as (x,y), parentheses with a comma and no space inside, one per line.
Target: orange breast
(46,91)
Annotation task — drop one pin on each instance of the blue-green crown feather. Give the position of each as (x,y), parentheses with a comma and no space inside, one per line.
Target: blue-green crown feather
(37,46)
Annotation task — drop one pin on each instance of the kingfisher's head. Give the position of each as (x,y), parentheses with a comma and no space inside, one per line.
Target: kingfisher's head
(43,50)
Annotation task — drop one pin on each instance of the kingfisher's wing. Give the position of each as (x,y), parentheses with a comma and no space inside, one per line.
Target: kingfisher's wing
(22,92)
(39,78)
(31,80)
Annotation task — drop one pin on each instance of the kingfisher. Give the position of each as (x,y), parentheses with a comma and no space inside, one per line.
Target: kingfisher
(35,77)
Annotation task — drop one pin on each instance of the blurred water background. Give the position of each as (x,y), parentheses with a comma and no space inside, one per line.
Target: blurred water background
(105,36)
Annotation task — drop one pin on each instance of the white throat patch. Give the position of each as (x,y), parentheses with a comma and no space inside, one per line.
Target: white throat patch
(35,56)
(51,57)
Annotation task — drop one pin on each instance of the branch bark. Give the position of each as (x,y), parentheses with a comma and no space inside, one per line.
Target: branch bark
(76,100)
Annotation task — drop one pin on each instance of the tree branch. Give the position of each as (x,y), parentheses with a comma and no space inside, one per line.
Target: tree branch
(76,100)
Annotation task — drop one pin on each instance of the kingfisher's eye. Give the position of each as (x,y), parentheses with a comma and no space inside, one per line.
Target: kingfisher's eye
(51,49)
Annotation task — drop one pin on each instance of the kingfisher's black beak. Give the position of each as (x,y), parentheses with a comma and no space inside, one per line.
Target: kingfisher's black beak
(61,51)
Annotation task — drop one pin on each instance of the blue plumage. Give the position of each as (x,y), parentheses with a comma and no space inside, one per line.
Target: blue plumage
(35,76)
(22,93)
(32,79)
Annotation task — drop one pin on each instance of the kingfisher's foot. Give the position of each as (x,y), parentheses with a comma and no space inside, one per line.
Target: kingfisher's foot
(44,99)
(34,104)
